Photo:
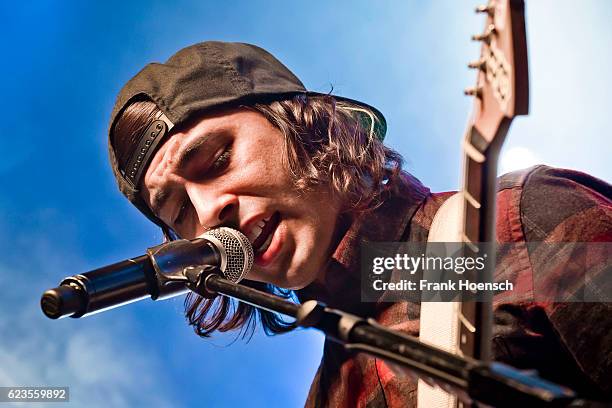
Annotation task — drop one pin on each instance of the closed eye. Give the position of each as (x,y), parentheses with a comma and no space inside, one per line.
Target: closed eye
(222,160)
(182,212)
(220,164)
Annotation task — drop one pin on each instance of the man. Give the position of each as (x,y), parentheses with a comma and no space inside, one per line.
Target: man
(223,134)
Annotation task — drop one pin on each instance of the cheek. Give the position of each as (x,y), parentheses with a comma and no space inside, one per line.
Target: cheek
(316,222)
(261,163)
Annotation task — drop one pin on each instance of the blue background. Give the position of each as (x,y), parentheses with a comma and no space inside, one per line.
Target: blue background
(60,213)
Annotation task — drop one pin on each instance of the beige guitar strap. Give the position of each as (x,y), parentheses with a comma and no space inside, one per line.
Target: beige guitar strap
(439,323)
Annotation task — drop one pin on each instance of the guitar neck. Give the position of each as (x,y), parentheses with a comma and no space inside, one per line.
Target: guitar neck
(502,92)
(478,192)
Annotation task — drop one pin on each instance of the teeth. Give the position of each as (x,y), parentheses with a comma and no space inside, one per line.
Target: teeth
(266,244)
(254,233)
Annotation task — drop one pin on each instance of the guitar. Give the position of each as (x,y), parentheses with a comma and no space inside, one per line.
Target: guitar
(500,94)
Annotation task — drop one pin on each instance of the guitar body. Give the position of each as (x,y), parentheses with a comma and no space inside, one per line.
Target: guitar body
(500,94)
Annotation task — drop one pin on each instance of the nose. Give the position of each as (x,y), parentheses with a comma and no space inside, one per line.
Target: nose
(213,208)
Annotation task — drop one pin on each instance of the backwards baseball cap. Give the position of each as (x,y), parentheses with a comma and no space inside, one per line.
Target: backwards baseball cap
(197,79)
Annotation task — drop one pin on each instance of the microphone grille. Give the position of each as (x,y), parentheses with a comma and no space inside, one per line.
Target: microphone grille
(238,252)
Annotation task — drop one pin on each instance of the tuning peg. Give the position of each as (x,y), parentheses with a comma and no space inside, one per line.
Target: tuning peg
(486,36)
(474,91)
(489,9)
(480,64)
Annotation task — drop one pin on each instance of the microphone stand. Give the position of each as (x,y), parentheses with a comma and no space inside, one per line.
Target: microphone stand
(473,381)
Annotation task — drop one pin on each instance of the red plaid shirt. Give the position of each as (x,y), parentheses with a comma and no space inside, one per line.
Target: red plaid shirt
(569,343)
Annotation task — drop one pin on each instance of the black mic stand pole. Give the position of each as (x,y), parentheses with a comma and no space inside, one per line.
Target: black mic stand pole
(473,381)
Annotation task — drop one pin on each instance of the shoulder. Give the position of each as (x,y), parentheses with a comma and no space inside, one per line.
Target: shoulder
(554,204)
(542,205)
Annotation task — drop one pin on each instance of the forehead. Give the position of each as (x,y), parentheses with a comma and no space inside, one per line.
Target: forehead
(228,120)
(200,129)
(194,138)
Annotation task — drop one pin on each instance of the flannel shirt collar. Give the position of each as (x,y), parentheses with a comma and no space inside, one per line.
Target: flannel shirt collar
(387,223)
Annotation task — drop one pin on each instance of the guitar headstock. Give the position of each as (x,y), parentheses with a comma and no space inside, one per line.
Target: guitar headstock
(502,86)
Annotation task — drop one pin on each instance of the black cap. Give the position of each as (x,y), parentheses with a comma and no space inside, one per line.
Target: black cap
(196,79)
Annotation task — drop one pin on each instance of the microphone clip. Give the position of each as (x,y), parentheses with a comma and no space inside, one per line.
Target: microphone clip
(170,261)
(197,276)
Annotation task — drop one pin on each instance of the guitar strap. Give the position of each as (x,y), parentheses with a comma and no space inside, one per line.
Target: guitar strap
(438,324)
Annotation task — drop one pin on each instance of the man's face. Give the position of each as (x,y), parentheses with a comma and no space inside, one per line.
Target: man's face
(228,169)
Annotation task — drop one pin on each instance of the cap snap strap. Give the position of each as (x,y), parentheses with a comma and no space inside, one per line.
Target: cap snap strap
(147,146)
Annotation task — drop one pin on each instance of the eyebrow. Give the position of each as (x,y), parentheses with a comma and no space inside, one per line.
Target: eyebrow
(192,150)
(161,196)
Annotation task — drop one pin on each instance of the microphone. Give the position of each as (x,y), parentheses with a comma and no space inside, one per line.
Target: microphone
(157,275)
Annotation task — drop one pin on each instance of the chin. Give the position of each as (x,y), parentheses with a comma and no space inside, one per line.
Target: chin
(292,279)
(296,282)
(298,277)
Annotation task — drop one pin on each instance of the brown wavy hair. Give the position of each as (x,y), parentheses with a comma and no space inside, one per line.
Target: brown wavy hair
(327,142)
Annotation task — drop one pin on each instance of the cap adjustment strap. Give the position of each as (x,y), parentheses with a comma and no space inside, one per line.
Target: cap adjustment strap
(147,146)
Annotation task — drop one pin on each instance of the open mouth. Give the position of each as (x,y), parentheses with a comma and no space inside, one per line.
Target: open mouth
(261,234)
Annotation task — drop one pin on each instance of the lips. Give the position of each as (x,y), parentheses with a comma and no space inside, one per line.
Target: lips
(260,235)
